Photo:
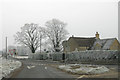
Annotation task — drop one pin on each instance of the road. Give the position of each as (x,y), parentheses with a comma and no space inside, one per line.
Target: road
(41,69)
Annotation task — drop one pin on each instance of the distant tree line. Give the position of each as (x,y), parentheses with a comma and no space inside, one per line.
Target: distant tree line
(32,35)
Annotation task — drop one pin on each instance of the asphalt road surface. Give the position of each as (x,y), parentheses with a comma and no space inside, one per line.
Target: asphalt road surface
(41,69)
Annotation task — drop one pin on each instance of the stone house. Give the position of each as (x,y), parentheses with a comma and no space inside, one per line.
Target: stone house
(91,43)
(106,44)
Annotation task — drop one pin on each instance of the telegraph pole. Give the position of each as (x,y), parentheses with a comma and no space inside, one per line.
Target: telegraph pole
(6,47)
(40,42)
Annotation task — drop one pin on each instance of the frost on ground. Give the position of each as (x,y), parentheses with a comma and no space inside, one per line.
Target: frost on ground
(21,57)
(8,66)
(83,69)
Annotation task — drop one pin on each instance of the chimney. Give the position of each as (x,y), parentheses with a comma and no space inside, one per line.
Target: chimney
(97,35)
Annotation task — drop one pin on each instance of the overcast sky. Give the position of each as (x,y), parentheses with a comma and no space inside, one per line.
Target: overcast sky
(83,17)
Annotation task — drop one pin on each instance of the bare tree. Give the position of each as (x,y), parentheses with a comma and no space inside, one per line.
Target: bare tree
(30,36)
(56,32)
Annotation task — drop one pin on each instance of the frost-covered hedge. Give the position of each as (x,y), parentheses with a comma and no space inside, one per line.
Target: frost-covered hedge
(56,56)
(90,55)
(38,56)
(81,56)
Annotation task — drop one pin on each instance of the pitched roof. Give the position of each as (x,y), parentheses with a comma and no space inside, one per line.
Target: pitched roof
(84,42)
(105,43)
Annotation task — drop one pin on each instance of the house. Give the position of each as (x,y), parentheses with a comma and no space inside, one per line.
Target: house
(91,43)
(106,44)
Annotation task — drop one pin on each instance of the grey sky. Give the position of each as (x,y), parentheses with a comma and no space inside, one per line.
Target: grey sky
(84,17)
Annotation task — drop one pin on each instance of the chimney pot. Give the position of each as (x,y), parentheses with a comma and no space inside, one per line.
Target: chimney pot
(97,35)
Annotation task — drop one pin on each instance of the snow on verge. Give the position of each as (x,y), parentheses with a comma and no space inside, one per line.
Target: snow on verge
(84,69)
(21,57)
(8,66)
